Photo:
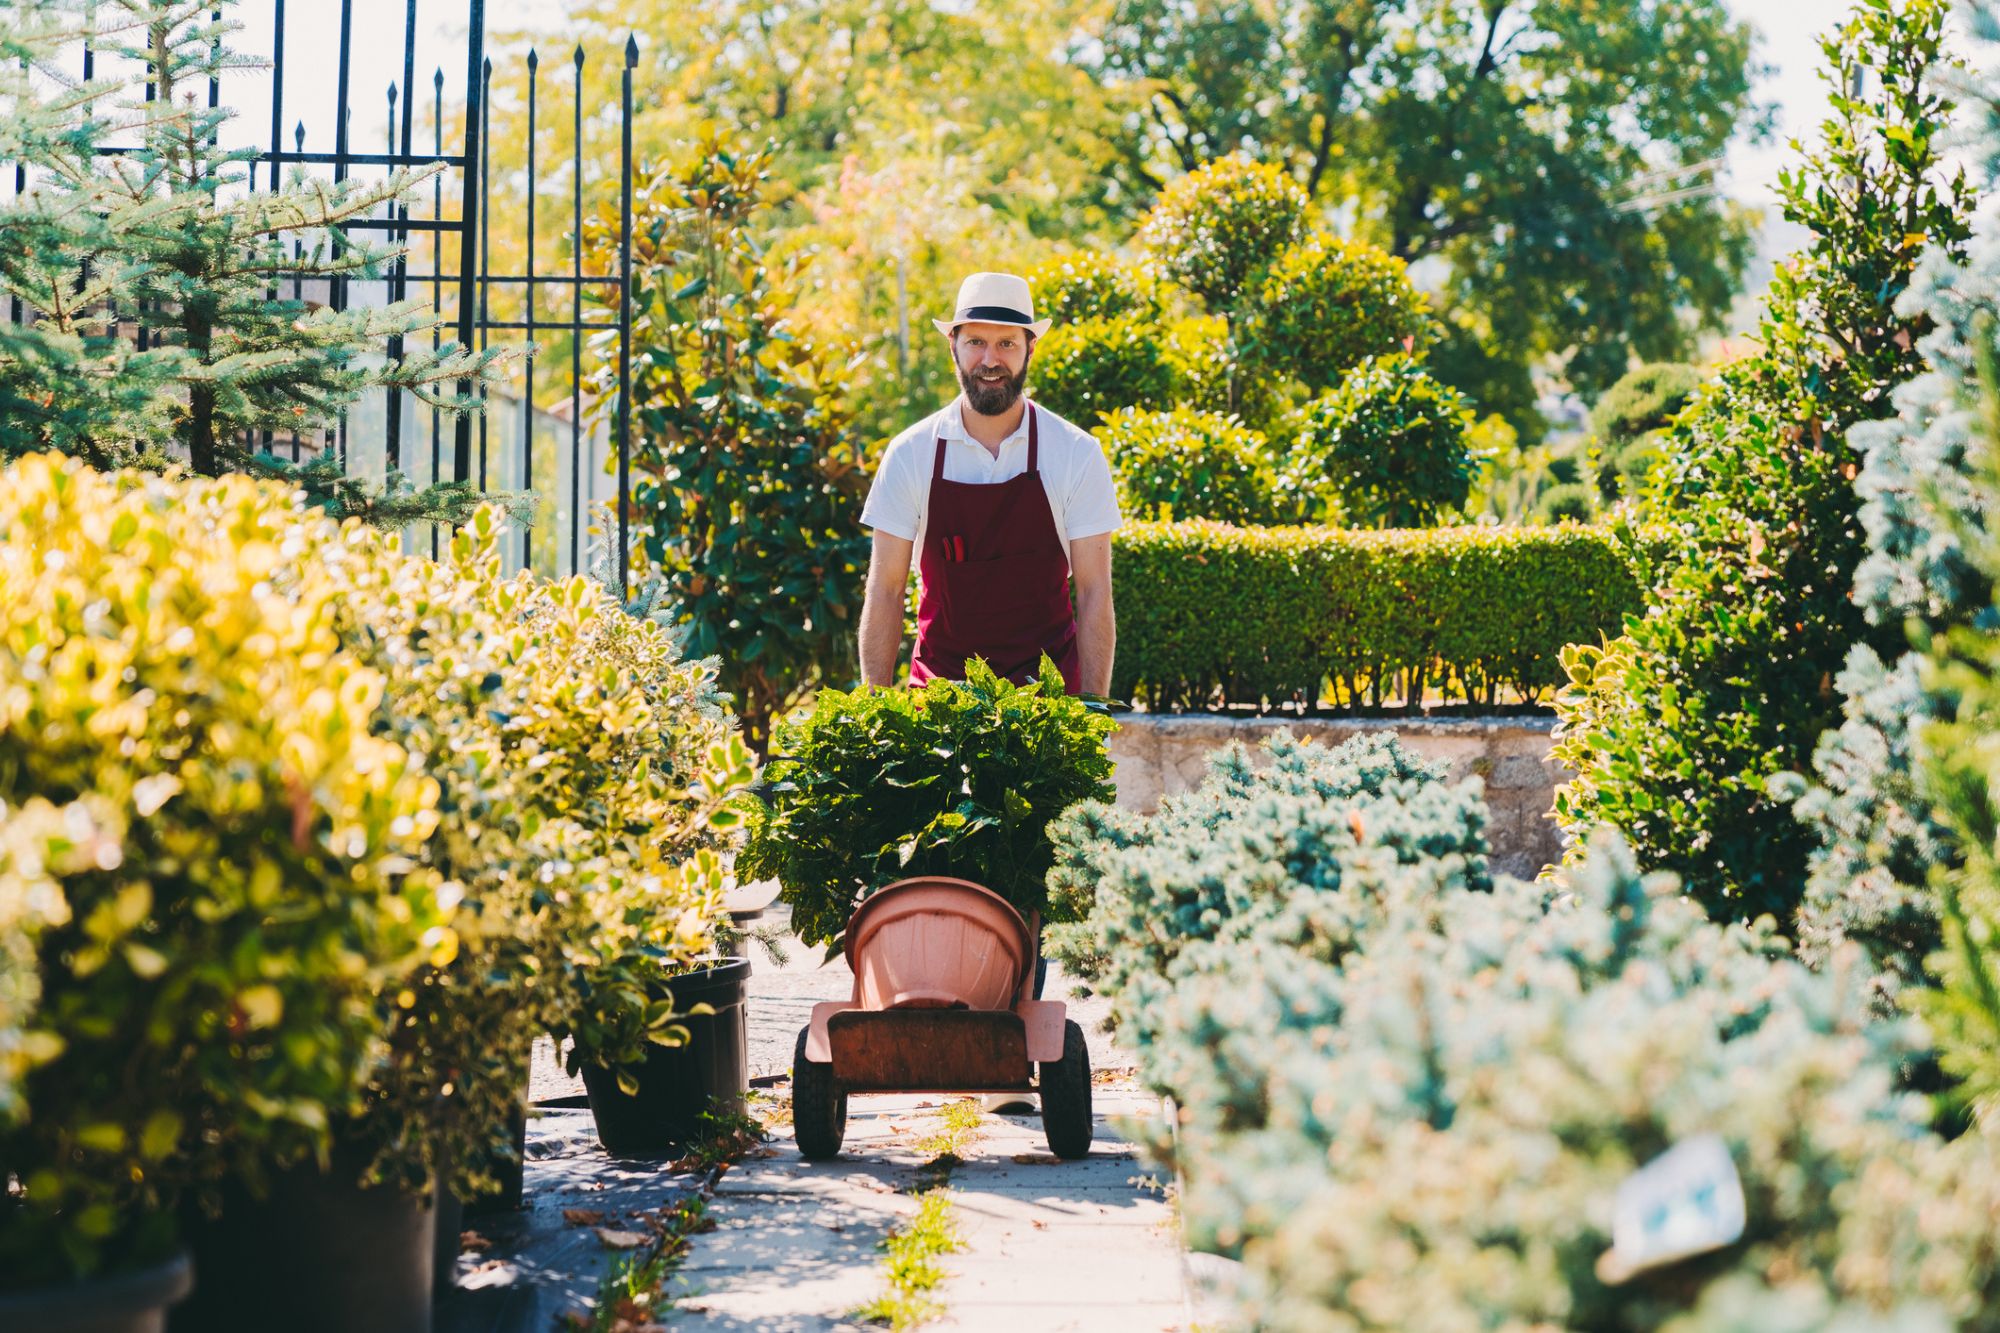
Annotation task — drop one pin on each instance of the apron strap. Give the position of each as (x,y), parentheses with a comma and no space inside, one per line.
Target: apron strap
(937,468)
(1033,441)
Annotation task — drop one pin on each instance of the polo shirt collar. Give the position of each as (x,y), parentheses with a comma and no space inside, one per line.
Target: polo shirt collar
(953,426)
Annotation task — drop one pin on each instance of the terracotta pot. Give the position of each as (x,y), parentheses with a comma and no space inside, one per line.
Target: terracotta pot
(937,943)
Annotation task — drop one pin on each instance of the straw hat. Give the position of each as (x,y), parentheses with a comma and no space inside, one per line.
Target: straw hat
(994,298)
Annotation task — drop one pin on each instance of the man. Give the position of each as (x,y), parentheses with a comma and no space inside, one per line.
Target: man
(1002,503)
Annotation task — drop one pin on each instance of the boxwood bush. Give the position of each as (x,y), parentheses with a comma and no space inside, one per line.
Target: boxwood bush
(1327,304)
(1210,614)
(1186,463)
(1082,371)
(1385,449)
(1084,284)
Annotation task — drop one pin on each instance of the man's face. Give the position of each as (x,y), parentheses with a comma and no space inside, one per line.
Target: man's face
(992,365)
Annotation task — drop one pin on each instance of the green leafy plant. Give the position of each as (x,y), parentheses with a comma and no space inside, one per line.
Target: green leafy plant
(252,872)
(1327,304)
(747,480)
(1384,450)
(1189,464)
(1216,227)
(1680,731)
(39,844)
(1088,370)
(958,778)
(1212,614)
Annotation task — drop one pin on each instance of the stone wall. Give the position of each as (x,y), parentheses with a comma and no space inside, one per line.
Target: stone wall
(1160,754)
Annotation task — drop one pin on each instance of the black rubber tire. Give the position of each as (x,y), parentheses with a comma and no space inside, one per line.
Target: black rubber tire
(819,1107)
(1065,1089)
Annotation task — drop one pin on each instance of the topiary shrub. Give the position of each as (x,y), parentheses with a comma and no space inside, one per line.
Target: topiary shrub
(1088,370)
(1216,227)
(1189,464)
(170,658)
(1645,400)
(1211,375)
(1326,304)
(1384,450)
(1573,501)
(1727,680)
(1083,284)
(1630,419)
(958,778)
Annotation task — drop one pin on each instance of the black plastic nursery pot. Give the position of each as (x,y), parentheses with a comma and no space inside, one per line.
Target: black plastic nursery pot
(133,1302)
(319,1254)
(677,1084)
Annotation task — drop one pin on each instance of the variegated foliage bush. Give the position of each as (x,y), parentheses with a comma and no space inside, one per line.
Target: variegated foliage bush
(582,766)
(252,876)
(317,837)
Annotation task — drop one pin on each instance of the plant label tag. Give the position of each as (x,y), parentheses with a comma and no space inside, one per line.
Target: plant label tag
(1686,1201)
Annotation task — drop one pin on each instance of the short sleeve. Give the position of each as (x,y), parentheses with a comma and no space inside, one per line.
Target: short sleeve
(894,505)
(1092,506)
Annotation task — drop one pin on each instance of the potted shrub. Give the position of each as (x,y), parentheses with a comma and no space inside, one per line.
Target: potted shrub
(658,1034)
(959,779)
(249,879)
(584,768)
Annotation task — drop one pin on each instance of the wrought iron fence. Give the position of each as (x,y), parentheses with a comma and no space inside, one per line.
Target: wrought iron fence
(546,433)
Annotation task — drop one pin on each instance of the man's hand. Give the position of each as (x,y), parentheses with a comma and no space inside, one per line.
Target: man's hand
(882,608)
(1096,621)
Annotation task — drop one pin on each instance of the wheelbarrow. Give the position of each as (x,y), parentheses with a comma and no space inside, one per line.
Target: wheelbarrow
(943,1002)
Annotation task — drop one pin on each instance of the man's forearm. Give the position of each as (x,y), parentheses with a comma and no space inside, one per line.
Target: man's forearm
(881,639)
(1096,641)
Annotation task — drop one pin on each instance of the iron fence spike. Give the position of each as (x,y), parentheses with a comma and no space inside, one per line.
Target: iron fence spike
(578,57)
(632,50)
(533,59)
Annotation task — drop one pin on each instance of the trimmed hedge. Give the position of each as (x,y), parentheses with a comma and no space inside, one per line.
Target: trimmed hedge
(1211,614)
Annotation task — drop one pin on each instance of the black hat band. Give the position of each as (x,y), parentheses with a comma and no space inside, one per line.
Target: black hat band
(992,314)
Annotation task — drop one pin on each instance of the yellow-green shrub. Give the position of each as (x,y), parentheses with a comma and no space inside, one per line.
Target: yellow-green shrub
(169,658)
(1084,284)
(582,765)
(1210,614)
(39,843)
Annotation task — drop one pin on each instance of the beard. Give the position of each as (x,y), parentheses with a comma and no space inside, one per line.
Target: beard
(991,397)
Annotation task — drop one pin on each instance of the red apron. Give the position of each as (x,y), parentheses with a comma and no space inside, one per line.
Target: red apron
(994,578)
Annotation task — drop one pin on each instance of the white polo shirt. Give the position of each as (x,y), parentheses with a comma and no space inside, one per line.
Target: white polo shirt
(1075,475)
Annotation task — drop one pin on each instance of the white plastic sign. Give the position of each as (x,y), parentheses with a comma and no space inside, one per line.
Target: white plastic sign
(1686,1201)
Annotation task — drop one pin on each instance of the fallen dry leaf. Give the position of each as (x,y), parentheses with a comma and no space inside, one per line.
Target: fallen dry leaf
(473,1241)
(1036,1158)
(583,1217)
(591,1186)
(1038,1224)
(622,1240)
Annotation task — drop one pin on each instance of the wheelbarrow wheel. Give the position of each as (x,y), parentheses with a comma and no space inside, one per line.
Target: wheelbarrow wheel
(1065,1089)
(819,1107)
